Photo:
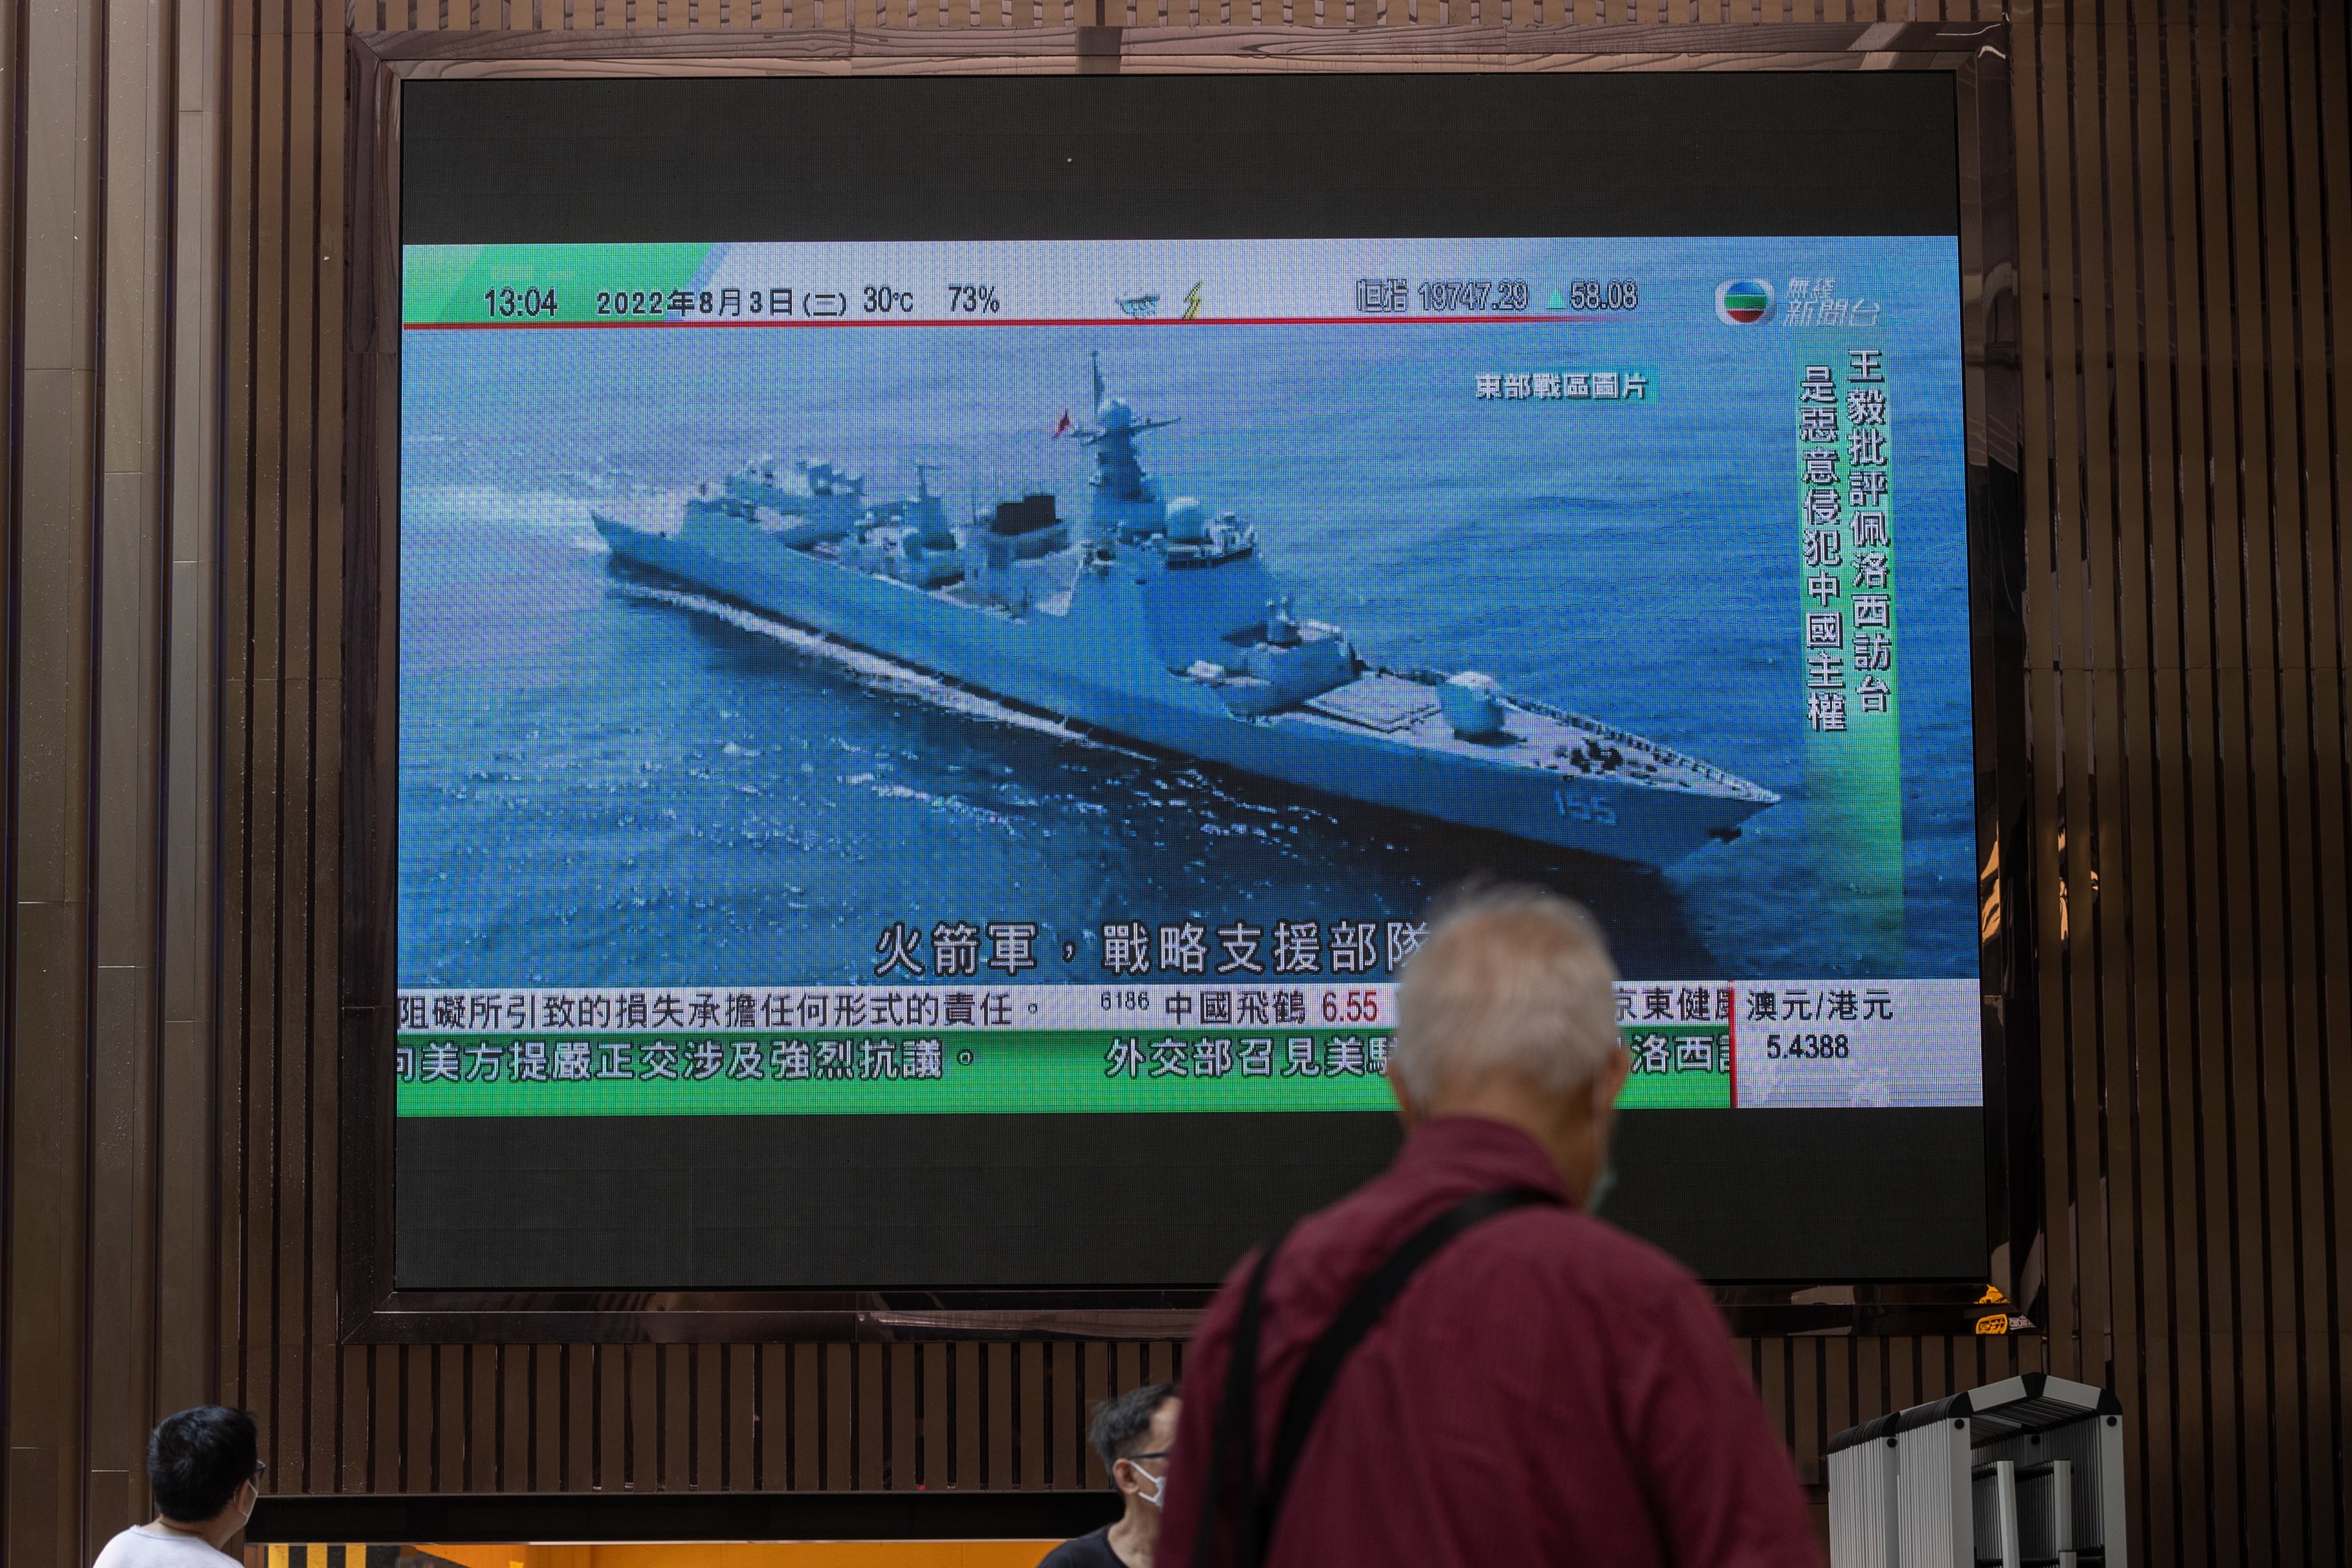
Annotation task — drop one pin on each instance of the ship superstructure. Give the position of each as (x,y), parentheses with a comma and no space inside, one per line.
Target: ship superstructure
(1159,622)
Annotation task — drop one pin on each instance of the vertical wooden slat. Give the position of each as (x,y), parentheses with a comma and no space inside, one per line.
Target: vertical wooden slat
(999,1398)
(1053,1401)
(45,1112)
(2241,626)
(700,1468)
(1772,1385)
(2042,190)
(187,1333)
(2330,426)
(516,1418)
(773,1434)
(870,1415)
(2089,548)
(2211,556)
(127,572)
(411,1390)
(235,688)
(2280,765)
(806,1401)
(355,1444)
(613,1467)
(904,1424)
(736,1385)
(2295,1242)
(1935,1369)
(1098,1380)
(2147,464)
(638,1438)
(2191,1070)
(1806,1393)
(2078,387)
(323,1024)
(2254,777)
(837,1419)
(448,1422)
(483,1400)
(296,851)
(967,1365)
(1032,1431)
(1870,1399)
(1837,1402)
(932,1469)
(669,1435)
(386,1371)
(2118,564)
(261,1069)
(577,1456)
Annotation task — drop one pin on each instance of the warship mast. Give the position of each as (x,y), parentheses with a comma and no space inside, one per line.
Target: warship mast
(1124,503)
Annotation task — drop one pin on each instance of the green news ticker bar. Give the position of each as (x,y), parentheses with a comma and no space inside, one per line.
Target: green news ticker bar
(966,1073)
(518,285)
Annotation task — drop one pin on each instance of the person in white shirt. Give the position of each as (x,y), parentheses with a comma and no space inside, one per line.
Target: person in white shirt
(205,1471)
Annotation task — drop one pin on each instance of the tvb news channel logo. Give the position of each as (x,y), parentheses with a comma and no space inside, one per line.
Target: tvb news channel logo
(1743,301)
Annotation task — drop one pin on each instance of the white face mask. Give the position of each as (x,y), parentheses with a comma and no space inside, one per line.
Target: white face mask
(1158,1496)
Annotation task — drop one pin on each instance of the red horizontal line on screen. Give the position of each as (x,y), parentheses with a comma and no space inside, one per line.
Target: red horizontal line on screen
(1011,322)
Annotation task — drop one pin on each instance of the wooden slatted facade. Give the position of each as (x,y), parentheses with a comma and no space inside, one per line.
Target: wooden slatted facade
(173,805)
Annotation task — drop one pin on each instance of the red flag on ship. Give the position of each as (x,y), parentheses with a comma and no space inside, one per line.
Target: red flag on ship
(1062,427)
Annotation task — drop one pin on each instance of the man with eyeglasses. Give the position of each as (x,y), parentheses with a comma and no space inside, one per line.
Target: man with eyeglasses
(1132,1435)
(205,1473)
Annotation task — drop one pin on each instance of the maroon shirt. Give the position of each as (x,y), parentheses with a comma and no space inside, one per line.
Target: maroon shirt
(1547,1389)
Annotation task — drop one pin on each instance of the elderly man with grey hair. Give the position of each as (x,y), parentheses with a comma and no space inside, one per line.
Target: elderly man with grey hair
(1458,1365)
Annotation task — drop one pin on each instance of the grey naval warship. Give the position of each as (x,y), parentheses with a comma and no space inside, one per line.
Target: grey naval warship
(1158,622)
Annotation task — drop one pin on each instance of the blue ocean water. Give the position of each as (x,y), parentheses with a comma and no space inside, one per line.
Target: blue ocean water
(605,784)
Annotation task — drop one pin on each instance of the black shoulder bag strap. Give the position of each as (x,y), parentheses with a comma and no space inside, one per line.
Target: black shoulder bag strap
(1234,1450)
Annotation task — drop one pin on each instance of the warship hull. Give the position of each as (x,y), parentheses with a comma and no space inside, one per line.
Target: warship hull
(1081,662)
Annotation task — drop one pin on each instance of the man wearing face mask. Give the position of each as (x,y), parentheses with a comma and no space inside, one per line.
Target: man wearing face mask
(1132,1435)
(1457,1365)
(205,1473)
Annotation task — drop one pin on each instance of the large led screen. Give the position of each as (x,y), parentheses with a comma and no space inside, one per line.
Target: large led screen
(922,756)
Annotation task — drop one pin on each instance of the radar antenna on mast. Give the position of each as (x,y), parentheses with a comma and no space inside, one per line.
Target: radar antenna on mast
(1104,427)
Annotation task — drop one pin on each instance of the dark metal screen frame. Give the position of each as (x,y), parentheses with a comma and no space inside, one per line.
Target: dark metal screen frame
(1976,54)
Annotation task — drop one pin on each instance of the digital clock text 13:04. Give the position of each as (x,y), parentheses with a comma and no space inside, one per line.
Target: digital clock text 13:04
(509,302)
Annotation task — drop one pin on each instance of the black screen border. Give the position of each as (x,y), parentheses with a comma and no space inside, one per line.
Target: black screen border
(1976,55)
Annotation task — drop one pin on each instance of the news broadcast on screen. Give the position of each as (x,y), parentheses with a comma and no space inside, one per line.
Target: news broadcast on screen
(948,706)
